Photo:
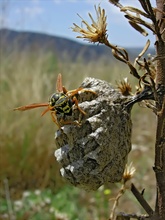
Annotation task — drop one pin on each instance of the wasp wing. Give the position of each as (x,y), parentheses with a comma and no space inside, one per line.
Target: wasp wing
(59,87)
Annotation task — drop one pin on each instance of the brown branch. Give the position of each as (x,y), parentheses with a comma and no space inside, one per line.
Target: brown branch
(141,200)
(160,133)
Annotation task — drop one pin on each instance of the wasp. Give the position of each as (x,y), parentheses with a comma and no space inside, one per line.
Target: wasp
(60,103)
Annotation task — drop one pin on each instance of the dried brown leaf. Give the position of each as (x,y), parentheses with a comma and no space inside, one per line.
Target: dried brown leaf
(142,52)
(133,70)
(135,10)
(146,5)
(118,57)
(140,21)
(138,28)
(116,3)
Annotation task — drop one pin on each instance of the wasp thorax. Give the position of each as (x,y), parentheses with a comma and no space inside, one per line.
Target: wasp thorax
(96,152)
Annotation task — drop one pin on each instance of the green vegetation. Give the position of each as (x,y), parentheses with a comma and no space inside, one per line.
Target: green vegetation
(27,142)
(37,205)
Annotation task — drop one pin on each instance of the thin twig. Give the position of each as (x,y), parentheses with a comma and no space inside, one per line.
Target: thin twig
(119,195)
(141,200)
(127,175)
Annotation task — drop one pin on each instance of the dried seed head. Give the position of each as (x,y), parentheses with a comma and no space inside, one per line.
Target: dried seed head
(128,172)
(125,87)
(96,32)
(95,152)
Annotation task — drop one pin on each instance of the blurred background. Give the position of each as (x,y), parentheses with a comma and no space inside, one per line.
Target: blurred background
(36,43)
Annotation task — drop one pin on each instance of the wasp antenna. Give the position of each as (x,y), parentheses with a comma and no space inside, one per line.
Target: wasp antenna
(45,111)
(31,106)
(59,86)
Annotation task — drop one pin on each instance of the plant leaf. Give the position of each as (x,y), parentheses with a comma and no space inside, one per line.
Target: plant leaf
(134,10)
(138,28)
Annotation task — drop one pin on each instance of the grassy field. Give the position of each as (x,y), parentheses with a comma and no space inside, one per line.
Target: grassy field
(30,184)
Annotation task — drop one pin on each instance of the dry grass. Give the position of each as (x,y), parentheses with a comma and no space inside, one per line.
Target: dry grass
(27,140)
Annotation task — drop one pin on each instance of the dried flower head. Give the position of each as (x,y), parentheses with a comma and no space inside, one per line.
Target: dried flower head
(96,32)
(128,172)
(125,87)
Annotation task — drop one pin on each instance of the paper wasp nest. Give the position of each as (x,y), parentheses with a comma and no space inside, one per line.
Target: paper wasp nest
(95,152)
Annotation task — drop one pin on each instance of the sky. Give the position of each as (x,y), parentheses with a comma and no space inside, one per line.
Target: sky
(55,17)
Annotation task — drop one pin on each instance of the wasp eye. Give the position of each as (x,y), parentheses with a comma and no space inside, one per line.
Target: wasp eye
(51,102)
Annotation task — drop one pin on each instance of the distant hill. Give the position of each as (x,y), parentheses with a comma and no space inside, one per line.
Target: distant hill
(63,48)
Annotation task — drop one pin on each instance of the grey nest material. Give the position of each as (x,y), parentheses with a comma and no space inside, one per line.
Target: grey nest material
(95,152)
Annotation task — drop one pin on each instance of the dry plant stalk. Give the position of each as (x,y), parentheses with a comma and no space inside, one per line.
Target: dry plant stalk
(8,200)
(128,174)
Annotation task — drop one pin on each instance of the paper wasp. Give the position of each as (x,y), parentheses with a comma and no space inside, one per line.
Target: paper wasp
(60,103)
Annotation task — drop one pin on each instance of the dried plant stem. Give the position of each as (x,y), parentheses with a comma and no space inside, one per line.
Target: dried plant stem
(122,55)
(116,202)
(9,205)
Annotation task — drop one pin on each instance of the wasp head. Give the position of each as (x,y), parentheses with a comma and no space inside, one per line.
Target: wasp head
(54,98)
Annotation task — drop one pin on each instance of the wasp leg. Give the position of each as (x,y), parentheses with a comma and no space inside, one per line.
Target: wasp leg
(87,90)
(75,101)
(75,91)
(64,90)
(53,114)
(69,122)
